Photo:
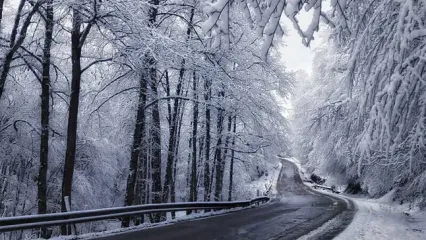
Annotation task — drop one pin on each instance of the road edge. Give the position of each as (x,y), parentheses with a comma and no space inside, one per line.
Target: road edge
(119,231)
(333,227)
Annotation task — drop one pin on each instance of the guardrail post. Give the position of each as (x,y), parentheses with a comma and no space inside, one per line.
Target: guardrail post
(71,229)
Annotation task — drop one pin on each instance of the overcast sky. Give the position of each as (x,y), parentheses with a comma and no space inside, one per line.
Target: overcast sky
(296,56)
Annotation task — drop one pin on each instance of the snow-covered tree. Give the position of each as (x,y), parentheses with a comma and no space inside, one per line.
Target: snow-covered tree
(380,134)
(123,93)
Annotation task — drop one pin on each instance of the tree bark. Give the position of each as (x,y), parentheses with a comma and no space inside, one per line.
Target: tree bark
(45,97)
(141,179)
(172,142)
(156,145)
(231,164)
(206,181)
(188,162)
(169,106)
(218,156)
(136,147)
(77,42)
(173,187)
(193,183)
(1,12)
(219,179)
(156,128)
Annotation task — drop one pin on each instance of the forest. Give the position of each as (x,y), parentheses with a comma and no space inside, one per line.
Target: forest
(365,102)
(112,103)
(109,103)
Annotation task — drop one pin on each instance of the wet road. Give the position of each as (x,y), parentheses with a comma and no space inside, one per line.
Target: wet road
(294,212)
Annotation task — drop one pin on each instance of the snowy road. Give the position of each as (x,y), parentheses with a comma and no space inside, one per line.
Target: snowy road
(295,212)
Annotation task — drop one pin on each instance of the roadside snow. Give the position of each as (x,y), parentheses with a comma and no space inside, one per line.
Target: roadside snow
(383,219)
(267,184)
(275,178)
(376,219)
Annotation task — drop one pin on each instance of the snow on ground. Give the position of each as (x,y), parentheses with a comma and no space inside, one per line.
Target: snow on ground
(378,219)
(267,184)
(383,219)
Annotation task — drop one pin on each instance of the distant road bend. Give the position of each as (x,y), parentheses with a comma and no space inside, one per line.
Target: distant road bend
(295,212)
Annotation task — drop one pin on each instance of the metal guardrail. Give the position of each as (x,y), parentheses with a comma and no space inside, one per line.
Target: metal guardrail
(332,189)
(55,219)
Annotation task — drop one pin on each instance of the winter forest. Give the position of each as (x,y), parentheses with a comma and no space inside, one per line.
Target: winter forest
(107,103)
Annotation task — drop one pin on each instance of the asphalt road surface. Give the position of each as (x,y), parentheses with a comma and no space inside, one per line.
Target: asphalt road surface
(294,212)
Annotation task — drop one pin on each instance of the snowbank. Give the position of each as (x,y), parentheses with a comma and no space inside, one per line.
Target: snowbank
(383,219)
(267,184)
(257,183)
(378,219)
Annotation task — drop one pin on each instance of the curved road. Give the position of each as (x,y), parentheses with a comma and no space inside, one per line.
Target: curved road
(295,212)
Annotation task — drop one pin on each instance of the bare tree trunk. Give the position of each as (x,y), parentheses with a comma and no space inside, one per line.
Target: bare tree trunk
(156,144)
(141,178)
(218,155)
(173,187)
(231,167)
(1,11)
(45,97)
(148,172)
(73,111)
(200,152)
(136,147)
(169,120)
(201,142)
(188,164)
(144,177)
(169,106)
(219,178)
(168,189)
(78,38)
(172,141)
(193,183)
(207,96)
(212,174)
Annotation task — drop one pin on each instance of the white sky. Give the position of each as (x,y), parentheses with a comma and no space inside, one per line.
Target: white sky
(296,56)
